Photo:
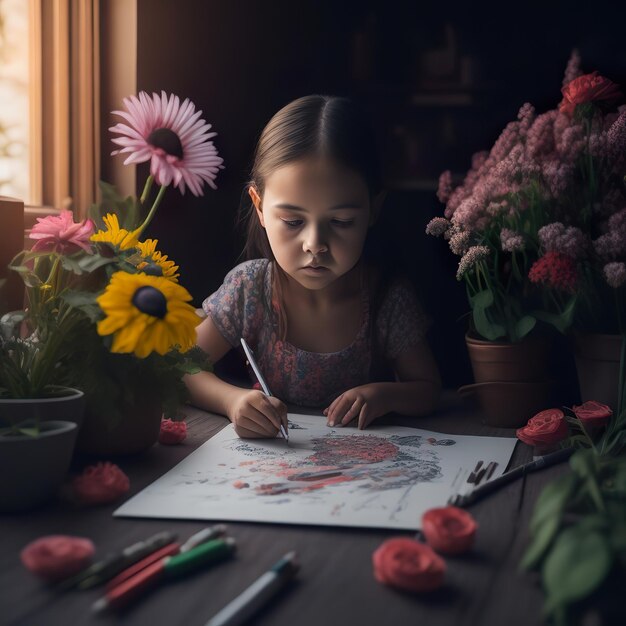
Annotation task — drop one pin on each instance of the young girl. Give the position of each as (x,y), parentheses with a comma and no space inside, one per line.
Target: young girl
(319,316)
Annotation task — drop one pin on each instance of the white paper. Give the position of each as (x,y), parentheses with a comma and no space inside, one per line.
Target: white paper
(381,477)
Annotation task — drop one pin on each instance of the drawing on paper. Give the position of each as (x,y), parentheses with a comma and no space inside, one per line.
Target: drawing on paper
(384,477)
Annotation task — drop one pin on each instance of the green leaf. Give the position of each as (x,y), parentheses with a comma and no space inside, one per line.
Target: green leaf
(575,567)
(482,299)
(546,518)
(524,326)
(29,432)
(486,328)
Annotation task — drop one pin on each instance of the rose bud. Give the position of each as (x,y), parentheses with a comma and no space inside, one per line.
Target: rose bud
(544,430)
(408,565)
(172,432)
(592,413)
(99,484)
(57,556)
(449,530)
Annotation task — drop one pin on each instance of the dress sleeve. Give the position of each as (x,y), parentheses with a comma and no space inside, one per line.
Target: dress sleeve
(236,306)
(402,321)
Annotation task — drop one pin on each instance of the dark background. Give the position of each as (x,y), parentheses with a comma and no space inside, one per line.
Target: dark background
(439,82)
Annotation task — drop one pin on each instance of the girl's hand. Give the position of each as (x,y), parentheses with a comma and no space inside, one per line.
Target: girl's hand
(364,403)
(256,415)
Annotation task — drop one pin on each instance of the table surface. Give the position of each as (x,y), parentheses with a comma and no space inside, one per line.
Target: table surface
(335,584)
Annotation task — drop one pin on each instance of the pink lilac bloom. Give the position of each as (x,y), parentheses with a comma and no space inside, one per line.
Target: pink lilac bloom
(572,70)
(615,274)
(557,237)
(59,233)
(437,226)
(612,245)
(445,186)
(459,242)
(511,241)
(557,176)
(540,136)
(470,258)
(172,136)
(616,136)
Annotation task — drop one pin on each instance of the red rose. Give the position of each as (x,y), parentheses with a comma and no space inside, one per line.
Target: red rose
(592,413)
(449,530)
(172,432)
(57,556)
(408,564)
(546,427)
(588,88)
(101,483)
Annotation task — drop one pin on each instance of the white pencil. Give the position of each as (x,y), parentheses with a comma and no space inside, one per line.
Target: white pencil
(258,593)
(259,376)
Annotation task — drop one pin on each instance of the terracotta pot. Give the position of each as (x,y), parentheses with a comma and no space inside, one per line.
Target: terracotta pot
(137,431)
(509,404)
(597,363)
(502,361)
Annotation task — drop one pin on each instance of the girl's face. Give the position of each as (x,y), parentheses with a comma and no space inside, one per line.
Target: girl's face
(315,212)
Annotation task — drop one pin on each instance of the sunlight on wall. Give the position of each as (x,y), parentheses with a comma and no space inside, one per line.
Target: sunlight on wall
(14,102)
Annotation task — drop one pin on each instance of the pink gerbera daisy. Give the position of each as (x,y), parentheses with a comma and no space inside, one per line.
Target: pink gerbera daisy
(172,136)
(60,233)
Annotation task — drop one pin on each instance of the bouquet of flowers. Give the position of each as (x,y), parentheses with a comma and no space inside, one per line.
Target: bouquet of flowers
(106,311)
(578,526)
(540,220)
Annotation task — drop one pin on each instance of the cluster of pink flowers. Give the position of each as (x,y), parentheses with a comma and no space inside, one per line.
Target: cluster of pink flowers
(568,240)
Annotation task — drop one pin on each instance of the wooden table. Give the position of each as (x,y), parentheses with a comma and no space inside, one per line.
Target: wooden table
(335,584)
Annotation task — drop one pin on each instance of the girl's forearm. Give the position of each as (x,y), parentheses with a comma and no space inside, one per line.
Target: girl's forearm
(414,397)
(211,393)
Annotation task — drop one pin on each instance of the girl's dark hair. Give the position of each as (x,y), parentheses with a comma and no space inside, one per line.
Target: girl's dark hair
(312,125)
(318,125)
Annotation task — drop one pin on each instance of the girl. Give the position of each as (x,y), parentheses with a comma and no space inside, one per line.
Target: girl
(320,317)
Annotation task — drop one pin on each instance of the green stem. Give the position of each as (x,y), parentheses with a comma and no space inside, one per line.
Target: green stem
(155,206)
(146,189)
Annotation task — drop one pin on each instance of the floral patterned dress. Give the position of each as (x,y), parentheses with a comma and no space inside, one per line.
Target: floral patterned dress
(242,307)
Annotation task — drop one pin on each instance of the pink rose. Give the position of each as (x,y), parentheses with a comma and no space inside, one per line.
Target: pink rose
(57,556)
(449,530)
(59,233)
(545,428)
(172,432)
(408,564)
(592,413)
(588,88)
(101,483)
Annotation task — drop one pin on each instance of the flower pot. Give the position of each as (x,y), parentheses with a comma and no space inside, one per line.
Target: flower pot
(68,407)
(135,432)
(503,361)
(33,467)
(597,363)
(509,404)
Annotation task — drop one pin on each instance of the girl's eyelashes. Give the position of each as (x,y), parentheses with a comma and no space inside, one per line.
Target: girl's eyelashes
(336,222)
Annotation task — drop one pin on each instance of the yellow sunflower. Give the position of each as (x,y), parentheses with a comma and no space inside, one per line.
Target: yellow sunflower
(154,258)
(116,236)
(147,313)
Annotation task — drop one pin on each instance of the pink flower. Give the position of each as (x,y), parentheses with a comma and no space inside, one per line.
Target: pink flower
(511,241)
(172,432)
(445,186)
(172,137)
(615,274)
(437,226)
(61,234)
(568,240)
(100,483)
(572,70)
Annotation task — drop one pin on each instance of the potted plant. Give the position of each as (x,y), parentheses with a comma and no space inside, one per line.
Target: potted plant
(520,222)
(39,420)
(110,298)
